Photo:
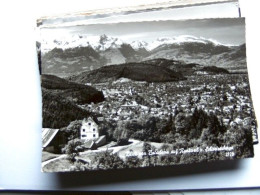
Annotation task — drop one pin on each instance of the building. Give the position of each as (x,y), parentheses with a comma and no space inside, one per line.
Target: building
(52,140)
(89,129)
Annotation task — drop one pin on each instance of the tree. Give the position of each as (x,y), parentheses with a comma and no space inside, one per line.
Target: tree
(123,138)
(107,128)
(147,158)
(73,148)
(121,134)
(224,97)
(72,130)
(169,159)
(241,139)
(190,101)
(181,123)
(214,125)
(198,121)
(133,161)
(169,127)
(151,133)
(108,160)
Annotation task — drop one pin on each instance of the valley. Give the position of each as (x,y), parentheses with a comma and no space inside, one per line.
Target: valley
(185,115)
(173,100)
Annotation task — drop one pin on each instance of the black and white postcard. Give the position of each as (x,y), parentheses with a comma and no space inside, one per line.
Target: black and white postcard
(144,94)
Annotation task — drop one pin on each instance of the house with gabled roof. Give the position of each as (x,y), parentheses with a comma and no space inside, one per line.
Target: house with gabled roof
(89,132)
(89,129)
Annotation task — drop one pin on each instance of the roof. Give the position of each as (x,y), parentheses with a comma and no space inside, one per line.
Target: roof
(48,135)
(89,144)
(91,118)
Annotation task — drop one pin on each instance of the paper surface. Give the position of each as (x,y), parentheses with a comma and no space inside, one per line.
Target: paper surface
(25,165)
(146,93)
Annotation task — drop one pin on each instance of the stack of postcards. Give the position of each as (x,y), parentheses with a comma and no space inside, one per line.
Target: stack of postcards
(155,85)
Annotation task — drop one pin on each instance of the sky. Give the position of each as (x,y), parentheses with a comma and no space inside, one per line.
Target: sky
(230,31)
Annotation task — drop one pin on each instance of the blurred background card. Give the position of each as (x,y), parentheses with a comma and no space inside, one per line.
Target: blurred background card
(166,10)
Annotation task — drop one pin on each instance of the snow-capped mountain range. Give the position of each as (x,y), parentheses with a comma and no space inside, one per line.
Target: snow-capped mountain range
(105,42)
(81,53)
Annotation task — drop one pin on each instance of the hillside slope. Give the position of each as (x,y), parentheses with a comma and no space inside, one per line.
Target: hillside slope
(207,54)
(60,99)
(64,62)
(133,71)
(186,69)
(58,112)
(80,94)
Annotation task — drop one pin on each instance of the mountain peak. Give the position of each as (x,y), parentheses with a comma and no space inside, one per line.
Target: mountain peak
(104,42)
(138,44)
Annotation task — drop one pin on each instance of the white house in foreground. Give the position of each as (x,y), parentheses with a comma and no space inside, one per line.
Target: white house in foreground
(89,129)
